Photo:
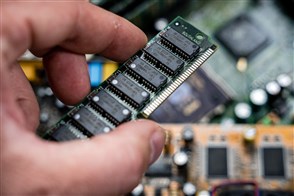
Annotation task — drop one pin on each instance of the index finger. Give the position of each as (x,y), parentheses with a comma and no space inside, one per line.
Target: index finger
(62,33)
(76,26)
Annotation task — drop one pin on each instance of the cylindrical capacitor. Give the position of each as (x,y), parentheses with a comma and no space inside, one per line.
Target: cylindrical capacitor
(242,112)
(189,189)
(258,98)
(286,83)
(180,158)
(160,23)
(44,117)
(249,135)
(188,134)
(138,190)
(284,80)
(203,193)
(273,90)
(59,104)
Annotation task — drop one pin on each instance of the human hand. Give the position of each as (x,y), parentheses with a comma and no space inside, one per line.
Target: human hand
(62,33)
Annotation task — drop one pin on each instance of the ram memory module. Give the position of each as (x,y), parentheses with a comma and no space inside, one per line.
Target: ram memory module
(140,85)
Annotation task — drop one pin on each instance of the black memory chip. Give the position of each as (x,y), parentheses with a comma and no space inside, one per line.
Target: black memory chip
(109,107)
(90,122)
(63,133)
(164,59)
(217,162)
(179,42)
(147,73)
(242,37)
(273,162)
(129,90)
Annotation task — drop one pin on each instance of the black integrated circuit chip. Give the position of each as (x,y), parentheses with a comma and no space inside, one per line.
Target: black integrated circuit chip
(242,37)
(109,107)
(217,162)
(273,162)
(91,123)
(147,74)
(163,59)
(129,90)
(179,43)
(63,133)
(161,168)
(194,99)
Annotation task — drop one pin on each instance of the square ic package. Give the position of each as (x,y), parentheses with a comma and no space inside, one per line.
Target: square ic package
(242,37)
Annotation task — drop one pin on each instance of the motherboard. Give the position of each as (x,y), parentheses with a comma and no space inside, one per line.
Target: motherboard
(223,160)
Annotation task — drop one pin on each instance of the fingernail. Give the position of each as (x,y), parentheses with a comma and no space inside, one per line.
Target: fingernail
(157,142)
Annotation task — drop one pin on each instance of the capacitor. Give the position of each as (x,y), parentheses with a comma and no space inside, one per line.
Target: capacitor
(273,90)
(59,104)
(160,24)
(44,117)
(286,83)
(242,112)
(258,99)
(41,92)
(188,134)
(249,135)
(180,158)
(203,193)
(48,91)
(138,190)
(189,189)
(284,80)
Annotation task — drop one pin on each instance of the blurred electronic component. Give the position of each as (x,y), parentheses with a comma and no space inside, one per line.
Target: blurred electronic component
(160,23)
(44,117)
(273,162)
(258,98)
(95,72)
(66,133)
(222,164)
(33,70)
(274,91)
(217,162)
(161,168)
(189,189)
(242,112)
(284,80)
(229,188)
(242,37)
(188,134)
(250,135)
(138,190)
(192,101)
(180,158)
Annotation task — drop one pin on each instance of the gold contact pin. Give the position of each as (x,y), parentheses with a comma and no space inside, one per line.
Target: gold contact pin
(173,86)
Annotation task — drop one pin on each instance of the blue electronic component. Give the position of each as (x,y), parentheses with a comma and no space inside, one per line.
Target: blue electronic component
(95,72)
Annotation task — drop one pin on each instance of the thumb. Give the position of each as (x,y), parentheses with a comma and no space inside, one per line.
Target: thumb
(113,163)
(110,164)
